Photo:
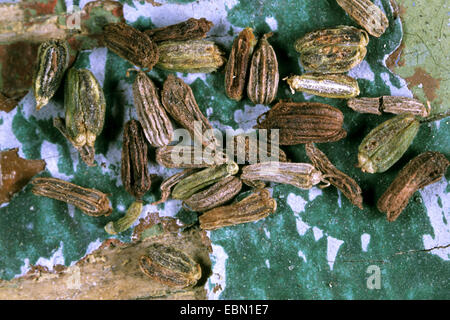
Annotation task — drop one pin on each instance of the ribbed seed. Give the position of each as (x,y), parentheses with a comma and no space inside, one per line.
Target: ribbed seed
(156,124)
(396,105)
(189,157)
(263,77)
(187,30)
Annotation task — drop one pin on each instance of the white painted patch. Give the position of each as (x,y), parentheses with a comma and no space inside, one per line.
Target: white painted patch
(267,233)
(302,255)
(403,91)
(52,110)
(24,269)
(313,193)
(365,239)
(318,233)
(97,61)
(171,13)
(189,78)
(71,210)
(339,200)
(209,111)
(439,218)
(333,246)
(49,152)
(9,141)
(297,203)
(272,23)
(56,258)
(246,119)
(307,96)
(169,209)
(217,281)
(362,71)
(120,207)
(267,263)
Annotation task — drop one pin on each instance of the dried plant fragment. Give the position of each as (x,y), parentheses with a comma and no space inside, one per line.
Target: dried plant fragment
(201,179)
(167,185)
(92,202)
(425,169)
(337,178)
(237,65)
(335,50)
(124,223)
(192,56)
(189,157)
(134,166)
(131,44)
(303,122)
(250,149)
(219,193)
(391,104)
(179,101)
(386,143)
(191,29)
(263,76)
(367,15)
(170,266)
(256,206)
(15,173)
(338,86)
(85,112)
(300,175)
(52,62)
(154,120)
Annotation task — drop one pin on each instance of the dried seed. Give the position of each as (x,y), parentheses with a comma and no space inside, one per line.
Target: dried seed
(189,157)
(199,180)
(386,143)
(425,169)
(156,124)
(167,185)
(190,56)
(397,105)
(190,29)
(335,50)
(85,112)
(237,65)
(337,178)
(131,44)
(338,86)
(263,77)
(303,122)
(52,63)
(300,175)
(134,166)
(219,193)
(248,149)
(90,201)
(124,223)
(179,101)
(367,15)
(256,206)
(170,266)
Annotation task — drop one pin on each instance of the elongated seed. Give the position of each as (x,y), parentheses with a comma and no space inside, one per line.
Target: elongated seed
(124,223)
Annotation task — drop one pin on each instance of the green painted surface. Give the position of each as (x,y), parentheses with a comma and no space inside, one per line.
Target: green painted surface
(316,245)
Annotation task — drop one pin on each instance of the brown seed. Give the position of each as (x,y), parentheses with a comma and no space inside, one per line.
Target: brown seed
(391,104)
(134,166)
(189,157)
(337,178)
(303,122)
(190,29)
(425,169)
(170,266)
(169,183)
(237,65)
(367,15)
(216,195)
(90,201)
(263,76)
(154,120)
(256,206)
(131,44)
(179,101)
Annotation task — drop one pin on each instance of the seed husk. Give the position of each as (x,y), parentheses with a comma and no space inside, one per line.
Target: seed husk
(124,223)
(167,185)
(189,157)
(237,64)
(391,104)
(191,29)
(423,170)
(91,201)
(256,206)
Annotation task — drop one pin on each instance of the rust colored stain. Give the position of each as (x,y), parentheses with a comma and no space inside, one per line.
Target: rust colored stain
(429,84)
(15,173)
(396,59)
(41,8)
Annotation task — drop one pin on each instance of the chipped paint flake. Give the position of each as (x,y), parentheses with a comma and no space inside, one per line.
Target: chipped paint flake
(217,281)
(365,239)
(333,246)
